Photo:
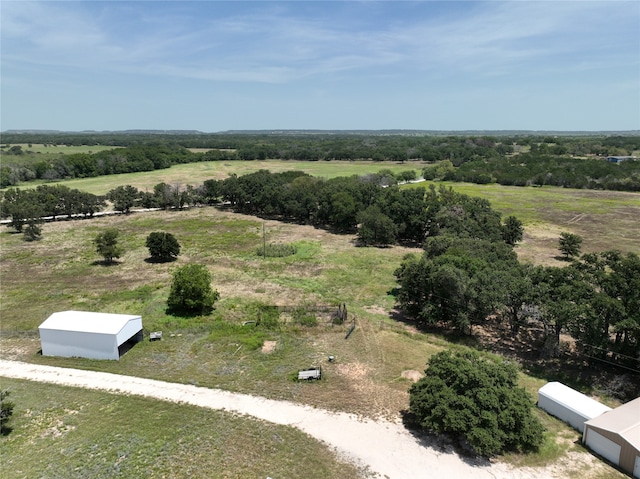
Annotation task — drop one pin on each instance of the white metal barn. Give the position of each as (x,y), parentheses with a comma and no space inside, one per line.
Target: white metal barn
(569,405)
(88,335)
(615,435)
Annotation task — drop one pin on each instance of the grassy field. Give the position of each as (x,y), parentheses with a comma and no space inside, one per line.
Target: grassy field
(196,173)
(61,149)
(604,219)
(62,271)
(96,435)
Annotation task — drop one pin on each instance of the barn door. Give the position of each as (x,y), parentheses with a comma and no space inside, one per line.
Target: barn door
(604,447)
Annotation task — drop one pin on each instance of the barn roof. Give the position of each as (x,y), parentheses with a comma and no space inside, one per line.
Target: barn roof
(87,322)
(573,400)
(623,420)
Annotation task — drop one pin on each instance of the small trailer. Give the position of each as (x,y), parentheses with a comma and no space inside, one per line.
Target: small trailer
(310,374)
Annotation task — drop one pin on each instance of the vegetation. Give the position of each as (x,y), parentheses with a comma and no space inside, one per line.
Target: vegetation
(53,201)
(276,250)
(107,245)
(191,291)
(162,246)
(570,245)
(569,161)
(6,411)
(476,397)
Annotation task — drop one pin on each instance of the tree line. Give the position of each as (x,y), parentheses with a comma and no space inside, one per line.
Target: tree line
(538,170)
(461,281)
(372,206)
(492,158)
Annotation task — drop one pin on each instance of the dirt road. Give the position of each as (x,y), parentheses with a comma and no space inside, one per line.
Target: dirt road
(386,448)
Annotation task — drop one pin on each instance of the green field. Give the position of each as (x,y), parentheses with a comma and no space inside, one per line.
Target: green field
(196,173)
(605,219)
(59,149)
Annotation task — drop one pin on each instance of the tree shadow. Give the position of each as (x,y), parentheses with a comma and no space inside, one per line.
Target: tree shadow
(5,430)
(105,263)
(152,260)
(443,443)
(181,313)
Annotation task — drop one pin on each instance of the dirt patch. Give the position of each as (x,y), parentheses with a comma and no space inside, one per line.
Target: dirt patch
(269,346)
(353,371)
(411,374)
(376,309)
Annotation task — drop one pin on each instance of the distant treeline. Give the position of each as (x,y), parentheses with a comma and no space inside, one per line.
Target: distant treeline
(517,160)
(530,169)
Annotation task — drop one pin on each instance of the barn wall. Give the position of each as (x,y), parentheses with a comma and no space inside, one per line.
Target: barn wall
(628,453)
(562,412)
(133,327)
(78,344)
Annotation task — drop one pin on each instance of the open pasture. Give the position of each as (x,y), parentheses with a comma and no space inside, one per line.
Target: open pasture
(59,273)
(605,219)
(196,173)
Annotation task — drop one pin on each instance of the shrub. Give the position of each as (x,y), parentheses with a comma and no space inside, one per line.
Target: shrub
(162,246)
(191,291)
(276,250)
(107,245)
(6,411)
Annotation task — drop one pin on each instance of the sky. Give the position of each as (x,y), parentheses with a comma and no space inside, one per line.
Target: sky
(332,65)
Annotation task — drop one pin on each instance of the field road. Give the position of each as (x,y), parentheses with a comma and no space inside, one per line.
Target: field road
(386,448)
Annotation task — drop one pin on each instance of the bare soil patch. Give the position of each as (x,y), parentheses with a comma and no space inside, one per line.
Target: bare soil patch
(269,346)
(412,374)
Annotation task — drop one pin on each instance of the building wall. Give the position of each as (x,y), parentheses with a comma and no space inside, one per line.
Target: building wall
(562,412)
(133,327)
(77,344)
(628,453)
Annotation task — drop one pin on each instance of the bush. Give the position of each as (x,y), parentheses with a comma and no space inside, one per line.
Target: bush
(6,411)
(162,246)
(191,291)
(476,397)
(268,316)
(276,250)
(107,245)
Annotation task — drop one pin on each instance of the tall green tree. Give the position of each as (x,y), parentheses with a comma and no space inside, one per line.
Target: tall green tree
(465,394)
(512,230)
(107,245)
(375,228)
(124,198)
(191,291)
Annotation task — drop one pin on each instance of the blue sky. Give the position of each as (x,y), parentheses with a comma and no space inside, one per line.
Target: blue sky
(216,66)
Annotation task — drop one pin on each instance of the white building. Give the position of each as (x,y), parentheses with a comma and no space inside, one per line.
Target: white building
(88,335)
(569,405)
